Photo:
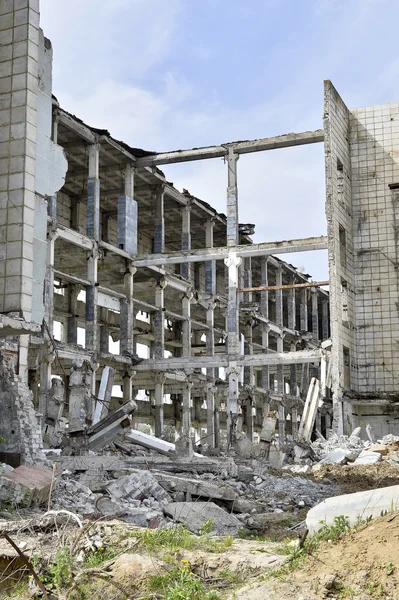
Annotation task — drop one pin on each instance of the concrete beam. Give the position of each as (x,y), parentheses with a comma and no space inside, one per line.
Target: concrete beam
(222,252)
(281,141)
(255,360)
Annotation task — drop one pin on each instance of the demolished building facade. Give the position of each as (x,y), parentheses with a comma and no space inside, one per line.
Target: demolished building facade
(99,253)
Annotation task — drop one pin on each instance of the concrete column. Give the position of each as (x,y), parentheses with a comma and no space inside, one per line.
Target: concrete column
(159,227)
(294,422)
(104,331)
(93,193)
(210,375)
(315,314)
(46,359)
(186,326)
(127,386)
(52,200)
(217,421)
(303,309)
(279,297)
(159,401)
(249,349)
(233,346)
(264,309)
(210,265)
(186,418)
(232,199)
(250,418)
(127,215)
(49,281)
(318,421)
(324,314)
(291,304)
(186,239)
(91,302)
(293,382)
(281,423)
(127,312)
(159,321)
(72,321)
(280,368)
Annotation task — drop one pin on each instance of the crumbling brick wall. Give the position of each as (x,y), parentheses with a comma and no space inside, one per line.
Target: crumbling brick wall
(19,424)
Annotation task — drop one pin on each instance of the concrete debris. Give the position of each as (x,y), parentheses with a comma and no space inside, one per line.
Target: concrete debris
(138,485)
(194,514)
(371,503)
(196,487)
(26,486)
(338,456)
(367,457)
(261,523)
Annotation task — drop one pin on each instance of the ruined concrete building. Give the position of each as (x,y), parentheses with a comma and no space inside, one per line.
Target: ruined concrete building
(100,252)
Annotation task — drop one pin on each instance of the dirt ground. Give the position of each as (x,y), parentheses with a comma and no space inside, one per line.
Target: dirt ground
(358,478)
(361,566)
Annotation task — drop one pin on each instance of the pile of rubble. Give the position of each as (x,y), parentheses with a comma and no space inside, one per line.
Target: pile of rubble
(360,448)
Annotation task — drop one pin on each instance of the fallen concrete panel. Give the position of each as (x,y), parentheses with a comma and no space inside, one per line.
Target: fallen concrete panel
(109,433)
(366,457)
(116,463)
(137,486)
(26,486)
(153,443)
(340,456)
(194,514)
(265,521)
(353,506)
(196,487)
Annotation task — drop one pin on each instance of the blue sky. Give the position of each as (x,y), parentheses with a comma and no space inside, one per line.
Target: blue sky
(168,74)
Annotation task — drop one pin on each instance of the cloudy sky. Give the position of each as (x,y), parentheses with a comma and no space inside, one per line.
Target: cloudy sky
(170,74)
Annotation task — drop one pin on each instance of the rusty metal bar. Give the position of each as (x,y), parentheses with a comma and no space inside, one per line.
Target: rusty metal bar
(271,288)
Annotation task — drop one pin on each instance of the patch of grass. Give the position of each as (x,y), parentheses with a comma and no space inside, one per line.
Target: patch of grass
(179,538)
(97,558)
(181,584)
(346,593)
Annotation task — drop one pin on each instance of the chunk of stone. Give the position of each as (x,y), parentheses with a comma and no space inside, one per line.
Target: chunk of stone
(366,457)
(380,448)
(196,487)
(265,521)
(244,505)
(371,503)
(137,485)
(194,514)
(26,486)
(339,456)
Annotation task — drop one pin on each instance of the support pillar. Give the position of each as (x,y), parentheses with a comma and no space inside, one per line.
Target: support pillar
(186,418)
(127,386)
(186,239)
(210,265)
(127,312)
(294,422)
(210,376)
(264,309)
(233,346)
(159,321)
(159,227)
(291,305)
(186,327)
(72,321)
(324,316)
(127,215)
(91,342)
(159,402)
(104,331)
(93,193)
(303,310)
(315,314)
(293,382)
(281,423)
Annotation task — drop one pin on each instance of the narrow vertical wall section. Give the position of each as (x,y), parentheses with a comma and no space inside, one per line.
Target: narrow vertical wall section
(340,251)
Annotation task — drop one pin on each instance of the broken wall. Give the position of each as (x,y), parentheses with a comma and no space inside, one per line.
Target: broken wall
(374,140)
(340,251)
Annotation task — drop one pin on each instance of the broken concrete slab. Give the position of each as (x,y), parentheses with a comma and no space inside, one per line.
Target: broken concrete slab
(371,503)
(26,486)
(154,443)
(196,487)
(244,505)
(340,456)
(366,457)
(194,514)
(137,485)
(265,521)
(380,448)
